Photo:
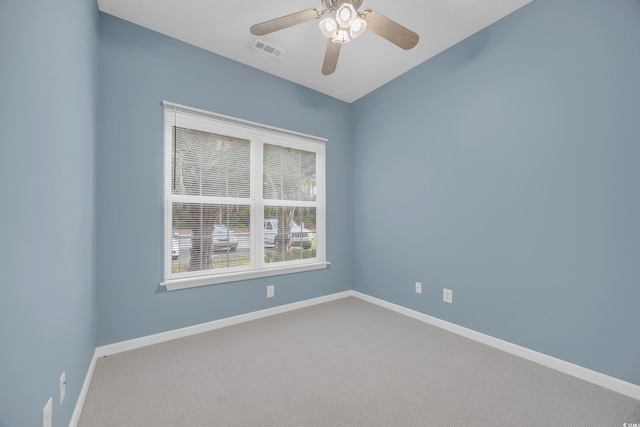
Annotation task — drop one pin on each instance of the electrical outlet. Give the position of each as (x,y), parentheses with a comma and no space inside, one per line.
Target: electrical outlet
(63,384)
(47,413)
(418,288)
(447,295)
(270,291)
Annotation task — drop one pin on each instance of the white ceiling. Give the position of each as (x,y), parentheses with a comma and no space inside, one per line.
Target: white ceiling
(366,63)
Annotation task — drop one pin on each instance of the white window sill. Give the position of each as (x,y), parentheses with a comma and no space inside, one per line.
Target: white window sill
(193,282)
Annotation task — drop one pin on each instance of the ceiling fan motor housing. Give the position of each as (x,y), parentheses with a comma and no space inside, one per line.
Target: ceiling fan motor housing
(327,3)
(334,4)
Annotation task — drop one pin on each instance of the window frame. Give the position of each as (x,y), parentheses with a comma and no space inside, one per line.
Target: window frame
(258,135)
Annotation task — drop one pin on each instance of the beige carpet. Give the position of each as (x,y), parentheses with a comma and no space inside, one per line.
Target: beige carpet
(342,363)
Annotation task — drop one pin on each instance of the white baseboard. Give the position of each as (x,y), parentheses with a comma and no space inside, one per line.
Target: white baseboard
(75,417)
(132,344)
(606,381)
(611,383)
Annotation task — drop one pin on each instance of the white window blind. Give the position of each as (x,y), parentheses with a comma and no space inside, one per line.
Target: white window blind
(242,200)
(289,189)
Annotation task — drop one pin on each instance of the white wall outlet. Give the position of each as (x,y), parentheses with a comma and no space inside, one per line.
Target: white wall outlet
(47,413)
(270,291)
(418,288)
(447,295)
(63,384)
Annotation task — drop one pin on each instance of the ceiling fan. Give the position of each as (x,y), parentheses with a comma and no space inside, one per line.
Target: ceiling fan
(343,23)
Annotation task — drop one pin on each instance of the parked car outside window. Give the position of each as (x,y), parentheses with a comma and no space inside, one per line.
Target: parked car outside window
(299,236)
(223,239)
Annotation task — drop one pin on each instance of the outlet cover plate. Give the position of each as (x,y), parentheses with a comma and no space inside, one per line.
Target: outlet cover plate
(447,295)
(418,288)
(270,291)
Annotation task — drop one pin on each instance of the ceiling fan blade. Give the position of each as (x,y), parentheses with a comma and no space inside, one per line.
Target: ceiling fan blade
(285,21)
(390,30)
(331,57)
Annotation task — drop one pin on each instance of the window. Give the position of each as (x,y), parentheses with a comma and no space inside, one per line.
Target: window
(242,200)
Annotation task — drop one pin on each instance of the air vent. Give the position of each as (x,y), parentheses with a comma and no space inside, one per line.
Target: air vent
(267,48)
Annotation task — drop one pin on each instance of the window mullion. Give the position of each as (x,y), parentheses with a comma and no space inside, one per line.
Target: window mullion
(294,203)
(257,212)
(179,198)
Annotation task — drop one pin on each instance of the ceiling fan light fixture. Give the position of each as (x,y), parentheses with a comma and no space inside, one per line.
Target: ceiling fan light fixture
(343,24)
(345,15)
(329,27)
(342,36)
(357,27)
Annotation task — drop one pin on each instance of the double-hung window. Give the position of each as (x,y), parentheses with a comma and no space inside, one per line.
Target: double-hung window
(241,200)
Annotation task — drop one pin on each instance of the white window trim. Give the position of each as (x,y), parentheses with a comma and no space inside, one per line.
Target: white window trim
(176,284)
(262,134)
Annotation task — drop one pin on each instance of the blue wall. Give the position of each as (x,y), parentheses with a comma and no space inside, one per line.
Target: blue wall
(506,169)
(138,69)
(47,118)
